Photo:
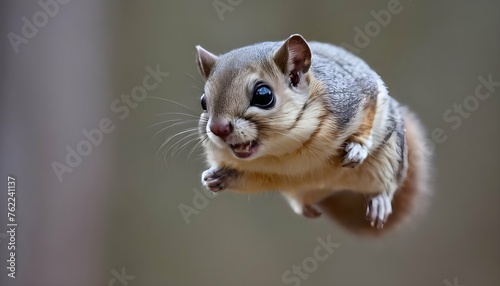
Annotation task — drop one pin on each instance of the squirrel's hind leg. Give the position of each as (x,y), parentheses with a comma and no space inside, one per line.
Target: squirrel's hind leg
(302,208)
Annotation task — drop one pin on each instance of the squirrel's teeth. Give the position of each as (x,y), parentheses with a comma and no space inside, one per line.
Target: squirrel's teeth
(242,147)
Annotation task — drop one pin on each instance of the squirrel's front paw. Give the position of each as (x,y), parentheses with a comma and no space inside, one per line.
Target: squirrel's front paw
(378,210)
(217,179)
(356,153)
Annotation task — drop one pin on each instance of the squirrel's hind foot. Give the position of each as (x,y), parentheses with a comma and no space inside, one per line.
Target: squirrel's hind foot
(378,210)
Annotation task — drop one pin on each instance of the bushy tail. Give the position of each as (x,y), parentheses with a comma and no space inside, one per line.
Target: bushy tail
(411,199)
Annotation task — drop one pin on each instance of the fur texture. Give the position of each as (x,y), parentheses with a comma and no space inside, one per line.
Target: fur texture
(410,200)
(333,137)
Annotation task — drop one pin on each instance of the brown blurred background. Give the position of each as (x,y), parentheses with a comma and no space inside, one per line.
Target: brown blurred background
(118,211)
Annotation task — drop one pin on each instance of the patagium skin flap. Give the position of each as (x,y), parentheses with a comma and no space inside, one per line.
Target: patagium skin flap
(312,121)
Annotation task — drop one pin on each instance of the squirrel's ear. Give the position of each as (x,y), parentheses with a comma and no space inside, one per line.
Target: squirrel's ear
(294,58)
(206,61)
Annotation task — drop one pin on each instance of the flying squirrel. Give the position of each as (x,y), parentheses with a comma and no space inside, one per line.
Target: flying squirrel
(315,123)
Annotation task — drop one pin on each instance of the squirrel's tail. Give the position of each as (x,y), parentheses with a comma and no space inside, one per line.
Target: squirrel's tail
(348,208)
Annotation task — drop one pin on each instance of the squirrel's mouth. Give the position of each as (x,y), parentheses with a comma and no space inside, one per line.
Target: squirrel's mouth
(244,150)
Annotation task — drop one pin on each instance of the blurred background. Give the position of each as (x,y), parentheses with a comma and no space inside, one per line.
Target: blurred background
(128,212)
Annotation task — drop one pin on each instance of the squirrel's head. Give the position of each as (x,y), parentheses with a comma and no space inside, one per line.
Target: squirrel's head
(255,98)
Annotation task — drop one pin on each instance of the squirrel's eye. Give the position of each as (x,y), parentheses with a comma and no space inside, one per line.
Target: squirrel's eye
(203,103)
(263,97)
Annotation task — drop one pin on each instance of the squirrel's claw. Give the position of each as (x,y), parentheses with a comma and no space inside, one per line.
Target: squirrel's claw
(378,210)
(215,179)
(355,154)
(310,211)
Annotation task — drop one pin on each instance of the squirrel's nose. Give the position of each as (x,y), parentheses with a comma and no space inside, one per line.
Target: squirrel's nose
(221,128)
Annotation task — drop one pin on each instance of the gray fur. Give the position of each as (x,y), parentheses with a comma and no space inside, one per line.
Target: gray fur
(340,107)
(348,79)
(233,63)
(402,146)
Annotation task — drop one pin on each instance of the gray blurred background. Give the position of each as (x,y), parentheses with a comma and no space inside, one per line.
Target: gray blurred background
(115,219)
